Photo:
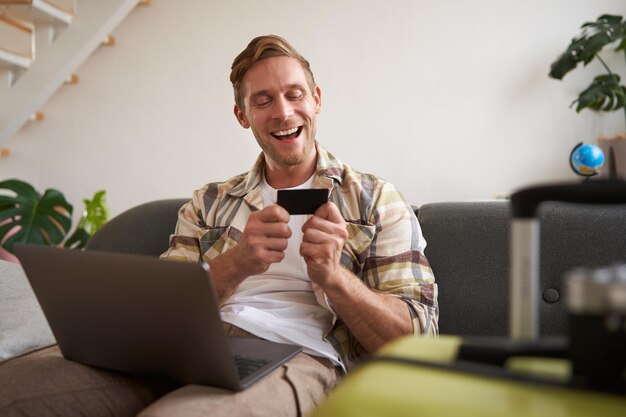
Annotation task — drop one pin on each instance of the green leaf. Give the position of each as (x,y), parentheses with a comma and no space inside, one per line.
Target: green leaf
(96,213)
(604,94)
(20,188)
(32,218)
(586,45)
(78,239)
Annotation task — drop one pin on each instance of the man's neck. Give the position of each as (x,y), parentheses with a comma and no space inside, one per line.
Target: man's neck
(278,176)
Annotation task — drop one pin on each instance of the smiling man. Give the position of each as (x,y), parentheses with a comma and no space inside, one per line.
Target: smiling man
(340,283)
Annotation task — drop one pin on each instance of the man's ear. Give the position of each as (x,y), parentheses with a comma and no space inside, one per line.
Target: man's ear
(241,117)
(317,96)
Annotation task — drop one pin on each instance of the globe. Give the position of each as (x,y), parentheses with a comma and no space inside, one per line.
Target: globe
(586,159)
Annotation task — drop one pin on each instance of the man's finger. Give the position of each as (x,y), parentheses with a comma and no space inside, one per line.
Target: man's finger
(330,212)
(276,230)
(273,213)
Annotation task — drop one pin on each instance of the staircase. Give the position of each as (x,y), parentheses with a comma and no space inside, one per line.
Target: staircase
(42,43)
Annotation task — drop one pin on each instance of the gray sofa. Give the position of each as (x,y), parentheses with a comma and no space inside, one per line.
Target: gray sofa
(467,248)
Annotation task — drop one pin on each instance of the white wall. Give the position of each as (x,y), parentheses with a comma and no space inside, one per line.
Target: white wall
(449,100)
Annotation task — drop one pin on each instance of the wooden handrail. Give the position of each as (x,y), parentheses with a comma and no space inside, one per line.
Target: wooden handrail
(4,152)
(16,1)
(16,24)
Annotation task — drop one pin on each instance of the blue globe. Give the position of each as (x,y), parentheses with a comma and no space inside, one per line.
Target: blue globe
(586,159)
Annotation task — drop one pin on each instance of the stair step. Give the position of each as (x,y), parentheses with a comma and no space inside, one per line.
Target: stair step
(57,60)
(17,43)
(39,10)
(12,60)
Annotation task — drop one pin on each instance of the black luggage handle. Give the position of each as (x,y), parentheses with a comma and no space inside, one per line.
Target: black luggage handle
(526,201)
(524,249)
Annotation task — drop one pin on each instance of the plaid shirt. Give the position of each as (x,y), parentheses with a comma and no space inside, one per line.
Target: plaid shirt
(385,247)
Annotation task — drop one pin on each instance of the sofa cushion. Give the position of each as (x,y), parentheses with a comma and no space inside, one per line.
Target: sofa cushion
(467,247)
(23,326)
(43,383)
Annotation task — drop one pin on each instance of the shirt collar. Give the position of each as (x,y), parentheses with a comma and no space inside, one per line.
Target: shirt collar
(329,171)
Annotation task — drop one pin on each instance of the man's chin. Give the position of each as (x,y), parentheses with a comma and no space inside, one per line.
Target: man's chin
(287,158)
(293,160)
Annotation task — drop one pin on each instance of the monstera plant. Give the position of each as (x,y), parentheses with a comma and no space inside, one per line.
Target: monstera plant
(46,219)
(606,93)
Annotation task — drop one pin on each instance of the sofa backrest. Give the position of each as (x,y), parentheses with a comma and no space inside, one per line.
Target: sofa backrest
(141,230)
(468,248)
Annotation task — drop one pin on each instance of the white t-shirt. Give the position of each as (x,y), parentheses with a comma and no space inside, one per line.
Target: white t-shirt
(279,305)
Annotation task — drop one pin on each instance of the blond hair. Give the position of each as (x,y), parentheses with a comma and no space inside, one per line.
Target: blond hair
(260,48)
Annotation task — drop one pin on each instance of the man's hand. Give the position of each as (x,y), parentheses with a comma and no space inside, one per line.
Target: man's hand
(323,238)
(262,243)
(373,318)
(264,240)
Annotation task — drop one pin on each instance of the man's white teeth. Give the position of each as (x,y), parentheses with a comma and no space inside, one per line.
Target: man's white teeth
(286,132)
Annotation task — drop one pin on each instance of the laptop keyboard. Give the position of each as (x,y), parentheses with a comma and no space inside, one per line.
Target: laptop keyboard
(247,365)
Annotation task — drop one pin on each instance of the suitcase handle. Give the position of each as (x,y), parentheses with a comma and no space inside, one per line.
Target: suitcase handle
(524,249)
(526,201)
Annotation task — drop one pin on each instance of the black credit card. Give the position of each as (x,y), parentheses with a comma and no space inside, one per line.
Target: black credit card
(303,201)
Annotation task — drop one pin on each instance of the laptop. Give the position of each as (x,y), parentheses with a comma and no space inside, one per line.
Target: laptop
(142,315)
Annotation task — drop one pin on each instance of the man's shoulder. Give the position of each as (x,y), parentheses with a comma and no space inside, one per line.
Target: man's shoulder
(364,180)
(363,195)
(331,166)
(219,189)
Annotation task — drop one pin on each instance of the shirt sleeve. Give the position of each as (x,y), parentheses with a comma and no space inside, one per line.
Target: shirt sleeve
(396,263)
(184,244)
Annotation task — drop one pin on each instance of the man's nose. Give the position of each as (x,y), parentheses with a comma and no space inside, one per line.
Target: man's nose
(283,109)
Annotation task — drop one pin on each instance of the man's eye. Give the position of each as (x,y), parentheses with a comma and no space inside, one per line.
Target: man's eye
(294,96)
(262,103)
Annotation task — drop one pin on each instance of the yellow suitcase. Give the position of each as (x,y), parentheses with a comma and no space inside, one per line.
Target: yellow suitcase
(418,376)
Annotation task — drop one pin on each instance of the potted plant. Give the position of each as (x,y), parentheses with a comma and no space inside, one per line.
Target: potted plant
(606,92)
(31,217)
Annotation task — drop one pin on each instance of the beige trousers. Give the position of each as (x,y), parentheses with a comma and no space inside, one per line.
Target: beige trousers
(293,390)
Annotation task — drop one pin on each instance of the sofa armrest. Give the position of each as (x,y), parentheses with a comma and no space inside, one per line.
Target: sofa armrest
(23,326)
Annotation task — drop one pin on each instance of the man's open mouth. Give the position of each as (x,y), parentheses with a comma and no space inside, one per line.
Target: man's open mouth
(288,134)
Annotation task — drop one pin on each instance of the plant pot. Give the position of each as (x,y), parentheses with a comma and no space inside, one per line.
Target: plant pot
(614,149)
